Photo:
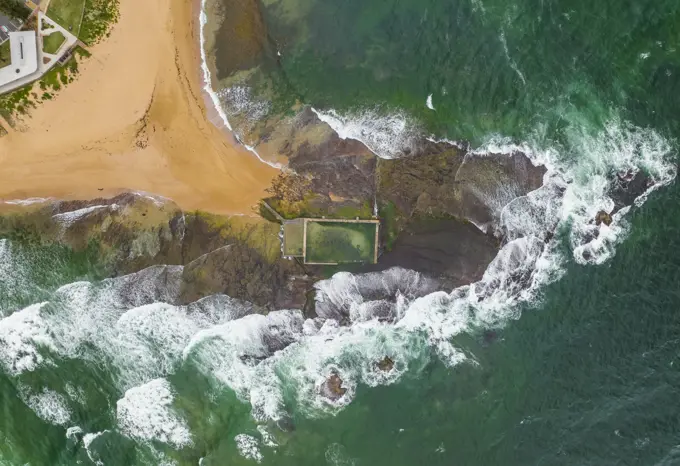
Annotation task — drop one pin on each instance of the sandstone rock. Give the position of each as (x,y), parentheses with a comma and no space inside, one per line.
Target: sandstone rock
(455,183)
(332,388)
(452,251)
(627,187)
(386,364)
(603,217)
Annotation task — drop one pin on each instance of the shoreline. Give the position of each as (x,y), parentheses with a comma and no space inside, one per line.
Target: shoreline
(211,100)
(101,136)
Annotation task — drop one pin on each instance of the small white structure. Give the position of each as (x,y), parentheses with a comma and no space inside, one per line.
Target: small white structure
(24,53)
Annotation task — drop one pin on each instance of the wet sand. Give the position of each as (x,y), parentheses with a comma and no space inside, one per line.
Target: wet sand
(134,119)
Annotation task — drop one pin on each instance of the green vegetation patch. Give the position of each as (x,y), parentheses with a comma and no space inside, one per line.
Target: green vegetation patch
(18,101)
(52,42)
(68,13)
(5,56)
(99,17)
(293,238)
(339,242)
(16,9)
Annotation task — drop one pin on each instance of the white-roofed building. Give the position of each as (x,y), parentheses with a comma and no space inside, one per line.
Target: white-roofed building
(24,54)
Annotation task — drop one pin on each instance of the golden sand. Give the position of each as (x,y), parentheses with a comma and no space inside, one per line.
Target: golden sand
(134,119)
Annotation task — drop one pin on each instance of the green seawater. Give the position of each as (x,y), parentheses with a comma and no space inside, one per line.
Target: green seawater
(585,375)
(491,66)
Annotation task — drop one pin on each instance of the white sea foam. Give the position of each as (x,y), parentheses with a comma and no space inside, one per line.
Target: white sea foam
(386,135)
(126,320)
(512,63)
(240,101)
(428,102)
(145,413)
(268,439)
(68,218)
(49,405)
(29,201)
(88,440)
(73,432)
(248,447)
(232,352)
(22,335)
(336,455)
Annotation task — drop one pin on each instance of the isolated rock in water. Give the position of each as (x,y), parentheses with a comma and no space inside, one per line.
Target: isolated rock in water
(332,387)
(603,217)
(626,187)
(386,364)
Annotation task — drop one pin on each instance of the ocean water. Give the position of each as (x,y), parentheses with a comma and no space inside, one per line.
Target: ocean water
(566,352)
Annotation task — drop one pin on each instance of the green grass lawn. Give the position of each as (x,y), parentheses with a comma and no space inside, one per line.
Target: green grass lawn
(5,58)
(52,42)
(332,242)
(293,238)
(67,13)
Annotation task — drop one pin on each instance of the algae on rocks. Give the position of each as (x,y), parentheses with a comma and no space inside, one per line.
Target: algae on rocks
(125,234)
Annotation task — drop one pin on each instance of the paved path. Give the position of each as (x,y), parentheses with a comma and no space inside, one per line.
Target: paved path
(52,58)
(276,214)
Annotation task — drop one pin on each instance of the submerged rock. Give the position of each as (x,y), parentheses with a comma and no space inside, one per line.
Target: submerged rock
(332,388)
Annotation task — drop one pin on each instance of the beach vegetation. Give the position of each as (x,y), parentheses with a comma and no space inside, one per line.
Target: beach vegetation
(99,17)
(68,13)
(16,9)
(18,102)
(53,42)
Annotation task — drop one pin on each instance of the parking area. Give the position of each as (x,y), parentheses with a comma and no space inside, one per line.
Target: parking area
(7,25)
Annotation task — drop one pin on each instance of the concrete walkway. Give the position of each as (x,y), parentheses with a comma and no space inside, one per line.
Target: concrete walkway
(45,60)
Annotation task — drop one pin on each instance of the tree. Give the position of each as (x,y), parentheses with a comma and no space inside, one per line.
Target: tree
(16,9)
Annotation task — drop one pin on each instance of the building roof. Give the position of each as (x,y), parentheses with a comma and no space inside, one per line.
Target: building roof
(24,52)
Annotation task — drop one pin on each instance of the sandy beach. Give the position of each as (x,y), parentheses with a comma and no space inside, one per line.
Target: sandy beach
(134,119)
